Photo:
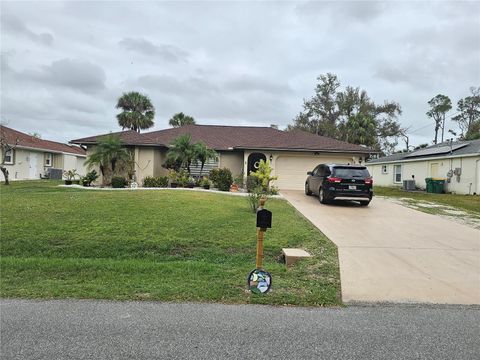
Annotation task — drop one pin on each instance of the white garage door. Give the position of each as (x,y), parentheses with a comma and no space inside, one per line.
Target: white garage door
(292,170)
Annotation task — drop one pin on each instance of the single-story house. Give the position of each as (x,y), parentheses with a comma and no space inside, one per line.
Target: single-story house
(457,162)
(240,148)
(34,158)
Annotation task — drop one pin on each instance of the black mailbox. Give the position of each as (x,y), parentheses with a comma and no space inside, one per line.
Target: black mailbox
(264,219)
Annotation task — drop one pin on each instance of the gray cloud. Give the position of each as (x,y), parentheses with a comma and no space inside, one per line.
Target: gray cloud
(360,11)
(79,75)
(13,24)
(167,52)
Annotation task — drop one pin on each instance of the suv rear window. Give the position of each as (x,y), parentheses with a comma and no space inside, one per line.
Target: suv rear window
(349,172)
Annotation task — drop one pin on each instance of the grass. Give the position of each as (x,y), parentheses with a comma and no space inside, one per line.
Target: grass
(157,245)
(468,203)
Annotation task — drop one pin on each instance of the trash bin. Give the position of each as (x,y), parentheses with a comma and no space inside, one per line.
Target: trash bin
(438,186)
(429,183)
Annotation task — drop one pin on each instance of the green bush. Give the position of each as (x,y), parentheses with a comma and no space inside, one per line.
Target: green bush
(119,182)
(89,178)
(254,197)
(213,175)
(222,178)
(160,181)
(253,183)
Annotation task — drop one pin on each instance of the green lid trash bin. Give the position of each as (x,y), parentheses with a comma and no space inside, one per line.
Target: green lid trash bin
(429,183)
(438,186)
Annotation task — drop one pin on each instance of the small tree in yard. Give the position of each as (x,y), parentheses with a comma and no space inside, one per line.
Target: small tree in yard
(108,155)
(263,174)
(182,150)
(203,154)
(6,148)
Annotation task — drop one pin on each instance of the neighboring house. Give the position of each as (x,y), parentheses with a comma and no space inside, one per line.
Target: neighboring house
(457,162)
(240,148)
(34,158)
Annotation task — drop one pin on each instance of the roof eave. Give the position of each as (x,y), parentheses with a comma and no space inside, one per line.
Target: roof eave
(362,151)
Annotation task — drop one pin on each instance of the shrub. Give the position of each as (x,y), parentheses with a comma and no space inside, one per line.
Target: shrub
(160,181)
(222,179)
(252,183)
(254,197)
(214,174)
(119,182)
(263,175)
(89,178)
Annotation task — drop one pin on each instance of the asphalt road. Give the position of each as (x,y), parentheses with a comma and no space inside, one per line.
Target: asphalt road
(84,329)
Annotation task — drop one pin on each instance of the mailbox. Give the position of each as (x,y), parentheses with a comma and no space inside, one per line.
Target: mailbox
(264,219)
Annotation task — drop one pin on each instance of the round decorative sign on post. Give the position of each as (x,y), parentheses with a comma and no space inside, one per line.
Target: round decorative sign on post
(259,281)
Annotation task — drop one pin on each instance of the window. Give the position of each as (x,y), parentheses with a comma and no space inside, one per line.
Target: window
(8,157)
(397,173)
(48,159)
(384,169)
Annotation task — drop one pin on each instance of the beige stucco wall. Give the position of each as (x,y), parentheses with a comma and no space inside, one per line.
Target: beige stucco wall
(144,162)
(159,158)
(232,161)
(468,182)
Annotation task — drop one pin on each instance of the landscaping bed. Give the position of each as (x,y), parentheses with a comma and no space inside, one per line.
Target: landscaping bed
(60,242)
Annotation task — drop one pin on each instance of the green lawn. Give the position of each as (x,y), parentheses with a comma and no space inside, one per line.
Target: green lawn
(157,245)
(465,202)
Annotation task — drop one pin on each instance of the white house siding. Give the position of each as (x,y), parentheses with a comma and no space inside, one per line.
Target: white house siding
(70,163)
(30,164)
(468,181)
(80,165)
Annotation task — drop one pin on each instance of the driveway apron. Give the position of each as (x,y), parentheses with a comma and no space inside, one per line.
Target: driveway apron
(390,253)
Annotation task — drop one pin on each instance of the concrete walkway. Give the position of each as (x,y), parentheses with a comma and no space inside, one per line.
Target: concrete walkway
(389,253)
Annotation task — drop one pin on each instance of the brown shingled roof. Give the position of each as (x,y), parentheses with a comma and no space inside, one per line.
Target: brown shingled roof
(221,137)
(28,141)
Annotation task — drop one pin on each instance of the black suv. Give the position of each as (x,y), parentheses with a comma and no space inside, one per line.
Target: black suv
(340,182)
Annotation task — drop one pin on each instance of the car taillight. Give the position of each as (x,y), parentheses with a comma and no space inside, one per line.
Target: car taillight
(334,180)
(369,181)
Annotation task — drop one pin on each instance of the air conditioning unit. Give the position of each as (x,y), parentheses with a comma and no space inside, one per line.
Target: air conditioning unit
(408,184)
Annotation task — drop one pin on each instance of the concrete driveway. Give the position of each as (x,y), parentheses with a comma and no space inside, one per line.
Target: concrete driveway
(390,253)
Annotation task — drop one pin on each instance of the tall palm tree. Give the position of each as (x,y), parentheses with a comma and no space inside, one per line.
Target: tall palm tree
(203,154)
(180,119)
(138,111)
(107,155)
(182,150)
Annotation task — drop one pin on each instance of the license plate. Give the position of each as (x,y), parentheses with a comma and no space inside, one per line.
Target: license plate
(352,187)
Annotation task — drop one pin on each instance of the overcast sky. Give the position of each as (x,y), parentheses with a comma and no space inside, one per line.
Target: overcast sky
(64,64)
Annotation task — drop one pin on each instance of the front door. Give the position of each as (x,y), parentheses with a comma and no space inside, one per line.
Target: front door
(254,161)
(434,170)
(32,171)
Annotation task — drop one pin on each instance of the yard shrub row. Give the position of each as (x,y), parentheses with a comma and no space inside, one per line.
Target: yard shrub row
(151,181)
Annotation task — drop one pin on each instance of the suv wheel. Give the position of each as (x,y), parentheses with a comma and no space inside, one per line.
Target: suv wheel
(307,189)
(321,197)
(364,203)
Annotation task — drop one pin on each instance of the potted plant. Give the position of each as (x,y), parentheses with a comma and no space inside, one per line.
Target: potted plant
(190,182)
(205,183)
(69,176)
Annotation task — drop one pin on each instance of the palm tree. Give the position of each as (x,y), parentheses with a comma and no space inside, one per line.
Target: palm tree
(203,154)
(182,150)
(138,111)
(108,153)
(180,119)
